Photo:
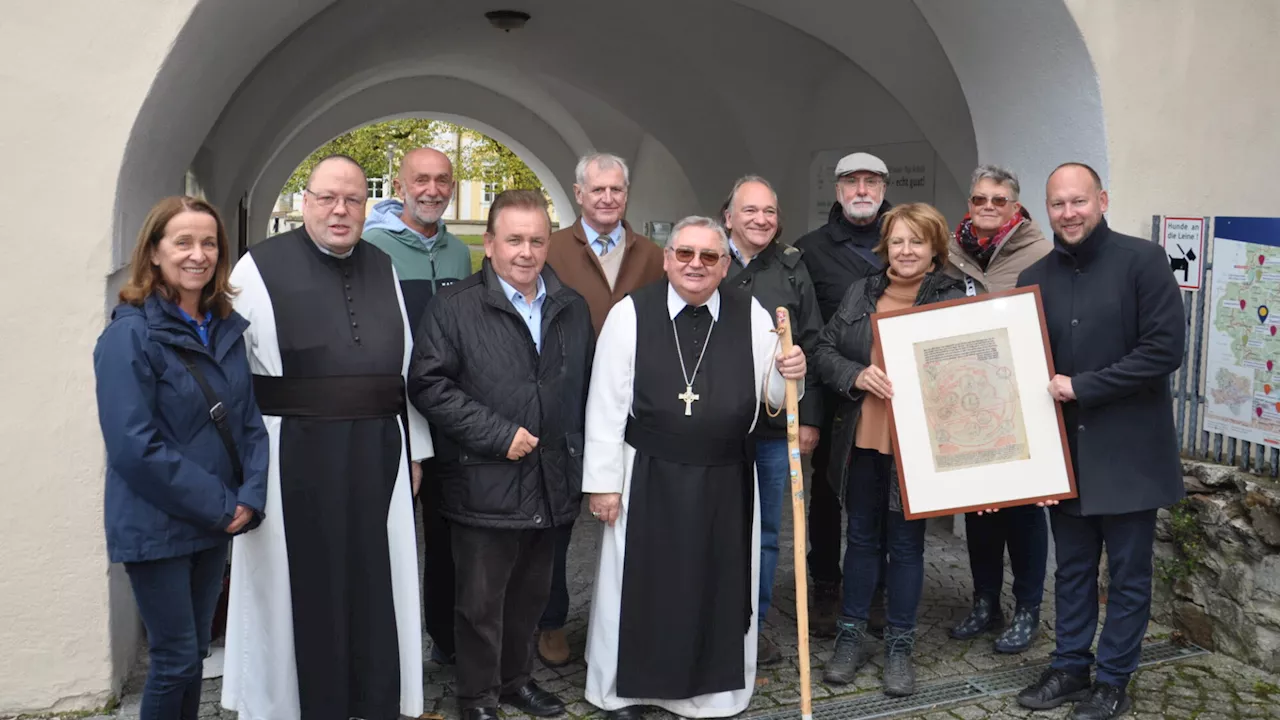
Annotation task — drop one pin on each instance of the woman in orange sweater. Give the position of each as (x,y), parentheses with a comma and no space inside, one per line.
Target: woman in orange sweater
(913,241)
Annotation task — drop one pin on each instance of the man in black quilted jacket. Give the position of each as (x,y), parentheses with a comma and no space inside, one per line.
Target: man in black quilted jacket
(500,367)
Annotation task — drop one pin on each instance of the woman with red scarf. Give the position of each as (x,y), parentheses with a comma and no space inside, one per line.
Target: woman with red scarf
(994,243)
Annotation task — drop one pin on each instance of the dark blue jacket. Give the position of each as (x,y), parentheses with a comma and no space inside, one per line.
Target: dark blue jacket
(1117,328)
(169,479)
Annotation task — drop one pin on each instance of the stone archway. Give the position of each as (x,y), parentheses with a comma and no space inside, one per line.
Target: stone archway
(248,88)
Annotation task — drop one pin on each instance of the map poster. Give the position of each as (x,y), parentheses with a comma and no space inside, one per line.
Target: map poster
(970,398)
(1242,375)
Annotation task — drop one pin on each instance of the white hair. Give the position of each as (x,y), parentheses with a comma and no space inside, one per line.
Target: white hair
(700,222)
(602,161)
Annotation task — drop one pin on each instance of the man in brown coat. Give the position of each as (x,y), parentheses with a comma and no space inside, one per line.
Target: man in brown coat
(994,243)
(599,255)
(602,259)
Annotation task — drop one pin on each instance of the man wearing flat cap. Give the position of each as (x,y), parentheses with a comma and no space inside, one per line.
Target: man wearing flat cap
(837,254)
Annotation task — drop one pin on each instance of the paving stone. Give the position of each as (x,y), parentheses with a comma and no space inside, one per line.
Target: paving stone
(1213,685)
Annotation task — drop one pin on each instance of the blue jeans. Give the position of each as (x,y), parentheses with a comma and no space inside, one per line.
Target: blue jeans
(773,471)
(177,598)
(872,523)
(1026,532)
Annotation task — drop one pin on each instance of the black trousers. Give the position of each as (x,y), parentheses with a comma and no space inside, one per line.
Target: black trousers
(437,564)
(1129,540)
(825,531)
(1025,532)
(503,580)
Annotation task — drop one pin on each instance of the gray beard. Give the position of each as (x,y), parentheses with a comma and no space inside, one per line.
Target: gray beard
(424,219)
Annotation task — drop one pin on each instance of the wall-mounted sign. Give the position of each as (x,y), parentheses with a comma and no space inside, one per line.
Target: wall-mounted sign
(1183,241)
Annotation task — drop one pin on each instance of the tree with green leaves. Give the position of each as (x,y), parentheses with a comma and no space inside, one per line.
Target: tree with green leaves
(475,156)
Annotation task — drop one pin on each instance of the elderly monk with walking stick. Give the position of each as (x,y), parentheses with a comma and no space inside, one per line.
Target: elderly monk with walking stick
(668,468)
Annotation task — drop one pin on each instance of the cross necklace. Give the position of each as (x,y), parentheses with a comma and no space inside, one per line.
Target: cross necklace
(689,396)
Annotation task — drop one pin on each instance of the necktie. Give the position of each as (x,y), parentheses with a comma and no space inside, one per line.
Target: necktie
(602,244)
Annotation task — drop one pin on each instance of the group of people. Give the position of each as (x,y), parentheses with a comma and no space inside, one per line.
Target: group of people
(301,401)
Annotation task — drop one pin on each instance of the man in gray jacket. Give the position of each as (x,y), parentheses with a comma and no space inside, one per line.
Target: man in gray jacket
(427,258)
(772,272)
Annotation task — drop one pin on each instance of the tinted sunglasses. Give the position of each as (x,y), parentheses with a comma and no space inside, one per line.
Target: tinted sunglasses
(685,255)
(980,200)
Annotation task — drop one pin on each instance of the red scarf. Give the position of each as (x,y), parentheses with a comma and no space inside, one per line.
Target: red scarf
(981,249)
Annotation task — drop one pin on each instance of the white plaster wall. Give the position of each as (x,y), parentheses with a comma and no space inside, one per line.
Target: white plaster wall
(1191,105)
(55,649)
(659,188)
(1029,87)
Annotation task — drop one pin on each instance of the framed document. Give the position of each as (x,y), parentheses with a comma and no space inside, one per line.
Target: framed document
(972,421)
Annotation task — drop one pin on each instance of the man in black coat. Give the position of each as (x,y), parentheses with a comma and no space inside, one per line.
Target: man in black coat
(773,274)
(1117,330)
(837,255)
(501,366)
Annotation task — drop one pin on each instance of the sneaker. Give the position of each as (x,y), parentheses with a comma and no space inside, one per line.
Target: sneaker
(851,653)
(984,616)
(899,674)
(1105,702)
(825,609)
(1017,637)
(1054,688)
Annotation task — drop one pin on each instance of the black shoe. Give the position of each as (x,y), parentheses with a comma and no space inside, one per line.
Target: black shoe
(534,700)
(630,712)
(825,609)
(1018,636)
(1105,702)
(766,652)
(1054,688)
(480,713)
(851,653)
(984,616)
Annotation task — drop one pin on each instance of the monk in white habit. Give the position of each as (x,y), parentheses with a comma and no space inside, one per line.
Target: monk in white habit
(669,469)
(324,619)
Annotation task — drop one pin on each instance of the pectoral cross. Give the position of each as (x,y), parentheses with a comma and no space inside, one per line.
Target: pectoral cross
(688,397)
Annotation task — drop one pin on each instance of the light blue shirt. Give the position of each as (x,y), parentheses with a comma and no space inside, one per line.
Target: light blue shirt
(738,254)
(531,314)
(602,244)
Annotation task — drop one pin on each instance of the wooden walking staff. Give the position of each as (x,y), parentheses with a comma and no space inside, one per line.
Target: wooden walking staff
(797,524)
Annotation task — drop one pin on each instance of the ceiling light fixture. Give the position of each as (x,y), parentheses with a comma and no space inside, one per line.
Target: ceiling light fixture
(507,20)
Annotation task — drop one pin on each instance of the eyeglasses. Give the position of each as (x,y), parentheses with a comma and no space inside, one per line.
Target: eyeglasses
(708,257)
(980,200)
(328,201)
(871,183)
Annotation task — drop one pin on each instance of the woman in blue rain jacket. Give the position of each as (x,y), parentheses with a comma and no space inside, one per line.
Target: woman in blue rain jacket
(174,495)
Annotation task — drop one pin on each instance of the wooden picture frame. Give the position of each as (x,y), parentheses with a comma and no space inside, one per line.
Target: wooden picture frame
(973,425)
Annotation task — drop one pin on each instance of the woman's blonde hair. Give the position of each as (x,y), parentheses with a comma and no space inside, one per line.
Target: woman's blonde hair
(926,221)
(145,277)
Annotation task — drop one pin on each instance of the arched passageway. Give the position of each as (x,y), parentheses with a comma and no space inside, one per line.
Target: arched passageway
(693,95)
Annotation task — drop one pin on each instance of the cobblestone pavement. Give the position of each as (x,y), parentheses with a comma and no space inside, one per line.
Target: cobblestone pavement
(1204,687)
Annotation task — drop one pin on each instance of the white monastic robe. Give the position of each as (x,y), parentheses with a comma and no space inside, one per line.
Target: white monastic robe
(609,463)
(261,672)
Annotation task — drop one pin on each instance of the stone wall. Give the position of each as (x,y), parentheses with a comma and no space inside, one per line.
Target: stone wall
(1217,567)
